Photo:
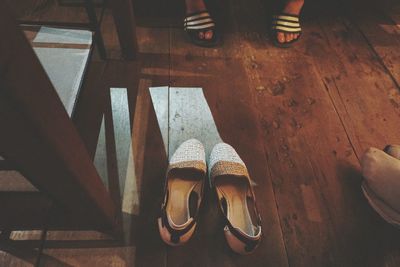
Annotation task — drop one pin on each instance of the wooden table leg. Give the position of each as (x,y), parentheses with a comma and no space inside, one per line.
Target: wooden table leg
(126,27)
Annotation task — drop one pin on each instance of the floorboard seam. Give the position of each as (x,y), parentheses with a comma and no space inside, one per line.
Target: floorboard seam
(325,202)
(168,108)
(259,126)
(331,98)
(169,83)
(277,208)
(379,58)
(338,114)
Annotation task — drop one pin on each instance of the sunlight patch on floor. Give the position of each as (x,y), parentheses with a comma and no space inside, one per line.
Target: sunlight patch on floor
(183,113)
(124,151)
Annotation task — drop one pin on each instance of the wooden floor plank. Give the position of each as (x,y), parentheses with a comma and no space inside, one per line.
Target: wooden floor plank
(312,165)
(84,248)
(309,156)
(325,218)
(22,249)
(382,33)
(362,86)
(154,72)
(221,75)
(300,118)
(362,89)
(151,251)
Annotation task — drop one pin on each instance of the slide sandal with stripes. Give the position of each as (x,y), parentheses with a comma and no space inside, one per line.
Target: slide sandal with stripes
(285,23)
(195,23)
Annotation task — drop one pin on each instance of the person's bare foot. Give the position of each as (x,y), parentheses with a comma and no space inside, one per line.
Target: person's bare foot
(193,6)
(292,7)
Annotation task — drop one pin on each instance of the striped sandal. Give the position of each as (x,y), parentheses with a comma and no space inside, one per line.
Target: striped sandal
(231,180)
(183,193)
(285,23)
(195,23)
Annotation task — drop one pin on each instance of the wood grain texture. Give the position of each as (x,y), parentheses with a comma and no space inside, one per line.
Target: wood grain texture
(126,27)
(152,160)
(151,251)
(364,89)
(360,85)
(22,249)
(66,249)
(14,181)
(382,33)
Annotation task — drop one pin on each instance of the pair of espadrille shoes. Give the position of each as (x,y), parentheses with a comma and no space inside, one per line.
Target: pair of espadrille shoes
(184,187)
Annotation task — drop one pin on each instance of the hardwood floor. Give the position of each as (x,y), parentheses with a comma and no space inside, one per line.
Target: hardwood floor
(300,118)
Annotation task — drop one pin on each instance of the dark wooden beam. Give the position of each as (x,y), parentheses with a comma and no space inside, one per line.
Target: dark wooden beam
(38,136)
(6,165)
(126,27)
(24,210)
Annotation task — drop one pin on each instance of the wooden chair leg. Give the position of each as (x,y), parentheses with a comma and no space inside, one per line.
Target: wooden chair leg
(126,27)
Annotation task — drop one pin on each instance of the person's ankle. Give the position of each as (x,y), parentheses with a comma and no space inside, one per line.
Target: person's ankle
(293,6)
(296,2)
(194,6)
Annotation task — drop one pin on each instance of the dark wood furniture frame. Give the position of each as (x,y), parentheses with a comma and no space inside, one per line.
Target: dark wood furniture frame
(124,20)
(38,138)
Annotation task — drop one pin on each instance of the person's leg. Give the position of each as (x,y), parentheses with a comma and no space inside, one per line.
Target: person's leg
(193,6)
(292,7)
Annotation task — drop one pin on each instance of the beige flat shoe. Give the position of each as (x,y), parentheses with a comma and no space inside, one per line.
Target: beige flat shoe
(381,185)
(183,193)
(393,150)
(236,197)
